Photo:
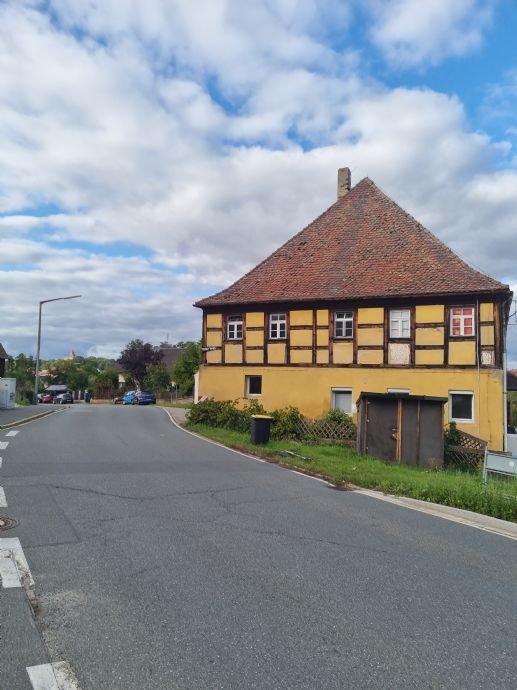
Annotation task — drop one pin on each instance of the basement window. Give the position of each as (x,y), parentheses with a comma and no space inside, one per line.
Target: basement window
(253,385)
(461,406)
(462,321)
(234,328)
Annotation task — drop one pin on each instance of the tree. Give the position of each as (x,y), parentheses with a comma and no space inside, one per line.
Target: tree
(106,382)
(186,366)
(157,377)
(23,369)
(135,358)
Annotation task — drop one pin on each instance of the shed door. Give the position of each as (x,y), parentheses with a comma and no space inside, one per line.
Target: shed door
(381,428)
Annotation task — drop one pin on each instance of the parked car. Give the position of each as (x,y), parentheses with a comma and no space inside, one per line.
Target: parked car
(128,397)
(144,398)
(64,398)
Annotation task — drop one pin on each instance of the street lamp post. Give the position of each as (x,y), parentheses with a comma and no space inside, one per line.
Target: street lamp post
(36,382)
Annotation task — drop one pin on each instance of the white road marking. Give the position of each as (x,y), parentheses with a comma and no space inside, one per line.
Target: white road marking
(11,555)
(239,452)
(3,502)
(12,433)
(56,676)
(462,517)
(1,461)
(3,445)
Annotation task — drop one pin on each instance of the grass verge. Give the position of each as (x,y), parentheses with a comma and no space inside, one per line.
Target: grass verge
(343,466)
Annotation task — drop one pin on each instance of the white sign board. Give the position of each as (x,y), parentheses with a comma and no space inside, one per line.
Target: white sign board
(499,463)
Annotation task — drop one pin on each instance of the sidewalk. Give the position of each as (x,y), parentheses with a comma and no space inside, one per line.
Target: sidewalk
(22,414)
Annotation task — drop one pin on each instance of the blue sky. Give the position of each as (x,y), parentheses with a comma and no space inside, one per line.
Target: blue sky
(153,154)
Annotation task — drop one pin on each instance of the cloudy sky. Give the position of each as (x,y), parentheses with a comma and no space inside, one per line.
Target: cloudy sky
(154,151)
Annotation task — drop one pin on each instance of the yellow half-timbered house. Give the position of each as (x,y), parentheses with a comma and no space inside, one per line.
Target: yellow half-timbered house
(363,299)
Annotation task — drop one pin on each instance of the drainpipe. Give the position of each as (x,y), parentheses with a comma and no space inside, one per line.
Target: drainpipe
(506,312)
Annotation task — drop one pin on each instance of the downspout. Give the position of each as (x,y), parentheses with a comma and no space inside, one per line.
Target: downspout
(506,312)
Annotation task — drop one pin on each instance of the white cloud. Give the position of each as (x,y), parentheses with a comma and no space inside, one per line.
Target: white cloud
(132,145)
(412,33)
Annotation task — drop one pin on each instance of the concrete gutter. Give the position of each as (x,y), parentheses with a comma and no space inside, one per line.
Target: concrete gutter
(24,420)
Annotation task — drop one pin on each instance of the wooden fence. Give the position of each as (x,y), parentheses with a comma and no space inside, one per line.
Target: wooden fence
(322,430)
(468,455)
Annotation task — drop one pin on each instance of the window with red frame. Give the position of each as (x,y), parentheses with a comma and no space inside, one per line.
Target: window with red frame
(462,321)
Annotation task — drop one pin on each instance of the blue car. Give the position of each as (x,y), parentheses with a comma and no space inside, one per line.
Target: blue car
(128,398)
(143,398)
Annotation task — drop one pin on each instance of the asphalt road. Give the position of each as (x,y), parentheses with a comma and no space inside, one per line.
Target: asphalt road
(163,562)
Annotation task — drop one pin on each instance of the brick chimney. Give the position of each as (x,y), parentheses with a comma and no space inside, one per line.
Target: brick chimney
(344,180)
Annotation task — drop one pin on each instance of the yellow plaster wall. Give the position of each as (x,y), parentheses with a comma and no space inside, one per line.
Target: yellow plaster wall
(462,352)
(370,357)
(343,353)
(322,337)
(487,335)
(276,353)
(429,313)
(429,336)
(300,317)
(255,356)
(300,337)
(214,338)
(233,353)
(428,357)
(301,356)
(322,356)
(486,311)
(370,336)
(214,320)
(214,357)
(370,315)
(254,338)
(322,317)
(309,389)
(255,319)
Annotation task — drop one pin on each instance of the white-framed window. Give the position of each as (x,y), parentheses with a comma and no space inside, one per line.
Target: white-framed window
(234,328)
(462,321)
(253,385)
(400,322)
(342,399)
(461,406)
(277,326)
(343,324)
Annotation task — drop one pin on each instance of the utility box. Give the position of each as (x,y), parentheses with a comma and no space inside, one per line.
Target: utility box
(7,394)
(401,427)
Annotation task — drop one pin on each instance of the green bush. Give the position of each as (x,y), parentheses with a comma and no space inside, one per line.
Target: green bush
(225,413)
(452,436)
(285,423)
(337,417)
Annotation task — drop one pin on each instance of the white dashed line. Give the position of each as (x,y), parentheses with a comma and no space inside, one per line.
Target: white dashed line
(56,676)
(1,461)
(3,445)
(12,433)
(14,569)
(3,502)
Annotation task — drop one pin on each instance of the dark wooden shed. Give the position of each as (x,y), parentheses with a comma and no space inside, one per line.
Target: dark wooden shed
(401,427)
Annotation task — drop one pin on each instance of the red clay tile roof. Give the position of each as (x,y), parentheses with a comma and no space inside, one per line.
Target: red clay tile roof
(363,246)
